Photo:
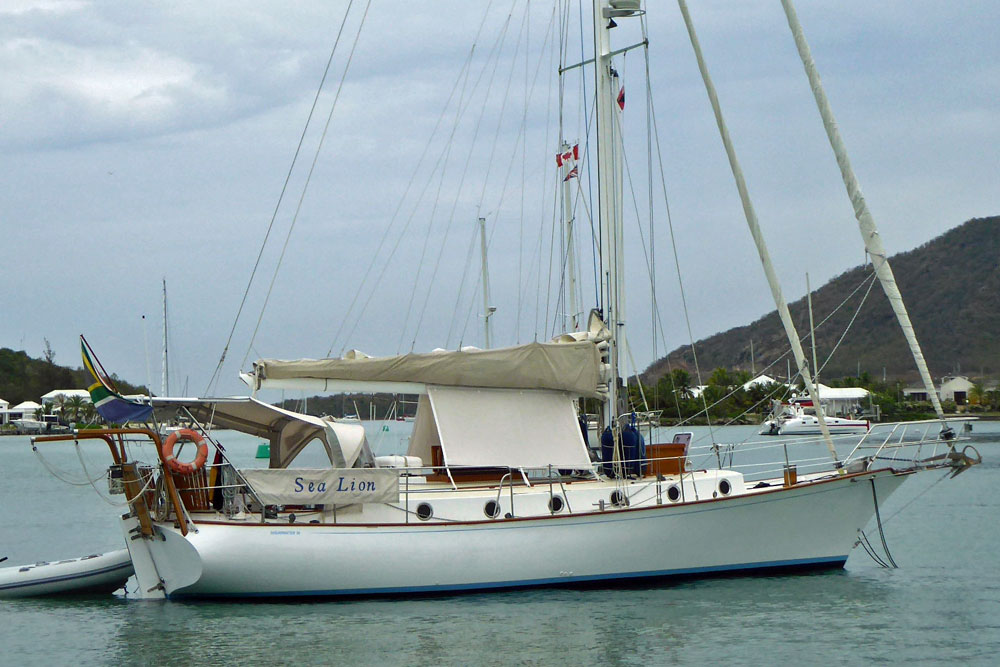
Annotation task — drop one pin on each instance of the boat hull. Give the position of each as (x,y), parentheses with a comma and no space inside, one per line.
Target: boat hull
(810,525)
(836,426)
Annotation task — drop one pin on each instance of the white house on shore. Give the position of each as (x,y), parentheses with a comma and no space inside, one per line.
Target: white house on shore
(53,396)
(26,409)
(23,410)
(952,388)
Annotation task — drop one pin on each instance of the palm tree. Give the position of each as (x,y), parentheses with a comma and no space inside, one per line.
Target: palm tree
(73,408)
(977,393)
(681,382)
(89,412)
(60,407)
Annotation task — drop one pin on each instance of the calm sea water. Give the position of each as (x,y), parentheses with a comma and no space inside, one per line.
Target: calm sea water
(942,604)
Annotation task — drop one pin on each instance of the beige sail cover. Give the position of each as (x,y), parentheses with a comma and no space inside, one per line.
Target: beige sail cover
(571,367)
(515,428)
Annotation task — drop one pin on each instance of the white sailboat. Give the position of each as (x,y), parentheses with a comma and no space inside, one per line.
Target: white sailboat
(497,488)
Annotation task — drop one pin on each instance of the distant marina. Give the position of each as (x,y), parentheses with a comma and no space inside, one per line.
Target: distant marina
(55,413)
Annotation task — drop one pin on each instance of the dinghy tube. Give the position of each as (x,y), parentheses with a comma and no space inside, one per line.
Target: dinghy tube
(97,573)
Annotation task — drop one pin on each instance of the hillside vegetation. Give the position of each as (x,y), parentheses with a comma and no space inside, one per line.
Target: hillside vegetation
(25,379)
(951,286)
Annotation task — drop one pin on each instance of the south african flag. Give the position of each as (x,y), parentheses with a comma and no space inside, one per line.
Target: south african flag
(111,405)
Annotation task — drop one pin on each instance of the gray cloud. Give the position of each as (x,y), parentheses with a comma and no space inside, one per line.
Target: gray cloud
(147,140)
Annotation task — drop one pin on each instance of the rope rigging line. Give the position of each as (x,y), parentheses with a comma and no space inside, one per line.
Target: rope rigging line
(878,521)
(462,181)
(503,107)
(395,215)
(517,144)
(654,306)
(61,475)
(596,255)
(916,497)
(489,168)
(498,46)
(305,185)
(786,389)
(496,135)
(284,187)
(470,251)
(520,223)
(578,199)
(556,221)
(430,225)
(677,266)
(585,118)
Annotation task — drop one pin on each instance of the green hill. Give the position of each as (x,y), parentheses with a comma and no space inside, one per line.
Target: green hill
(951,286)
(25,379)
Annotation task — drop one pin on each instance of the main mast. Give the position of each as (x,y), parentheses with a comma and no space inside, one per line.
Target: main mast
(609,179)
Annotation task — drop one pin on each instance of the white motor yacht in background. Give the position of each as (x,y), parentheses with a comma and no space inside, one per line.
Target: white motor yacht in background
(798,417)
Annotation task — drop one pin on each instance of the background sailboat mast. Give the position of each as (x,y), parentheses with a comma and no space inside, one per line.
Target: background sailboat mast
(487,310)
(165,384)
(607,207)
(573,321)
(869,232)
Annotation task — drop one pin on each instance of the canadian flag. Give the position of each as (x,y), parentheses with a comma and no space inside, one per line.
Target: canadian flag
(569,158)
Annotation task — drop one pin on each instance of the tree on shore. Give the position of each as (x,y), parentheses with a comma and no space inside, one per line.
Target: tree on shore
(73,409)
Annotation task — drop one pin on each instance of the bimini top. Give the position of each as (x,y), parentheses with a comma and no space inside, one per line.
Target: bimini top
(572,367)
(288,432)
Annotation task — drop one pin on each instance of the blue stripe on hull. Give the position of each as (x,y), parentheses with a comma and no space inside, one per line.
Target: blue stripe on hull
(804,563)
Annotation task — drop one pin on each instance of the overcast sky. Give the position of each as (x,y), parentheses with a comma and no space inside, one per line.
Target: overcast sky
(143,141)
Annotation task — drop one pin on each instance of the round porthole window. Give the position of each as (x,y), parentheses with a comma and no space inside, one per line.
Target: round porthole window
(725,488)
(556,504)
(424,511)
(618,499)
(491,509)
(674,494)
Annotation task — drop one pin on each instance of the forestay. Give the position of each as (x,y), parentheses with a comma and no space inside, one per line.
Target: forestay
(500,428)
(323,486)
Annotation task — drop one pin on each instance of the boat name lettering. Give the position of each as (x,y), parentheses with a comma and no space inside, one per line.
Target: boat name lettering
(355,485)
(309,485)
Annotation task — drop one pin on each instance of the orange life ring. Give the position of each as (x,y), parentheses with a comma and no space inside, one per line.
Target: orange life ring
(183,467)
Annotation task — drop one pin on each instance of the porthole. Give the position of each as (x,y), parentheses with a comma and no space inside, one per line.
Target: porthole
(674,493)
(491,509)
(618,499)
(725,488)
(424,511)
(556,504)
